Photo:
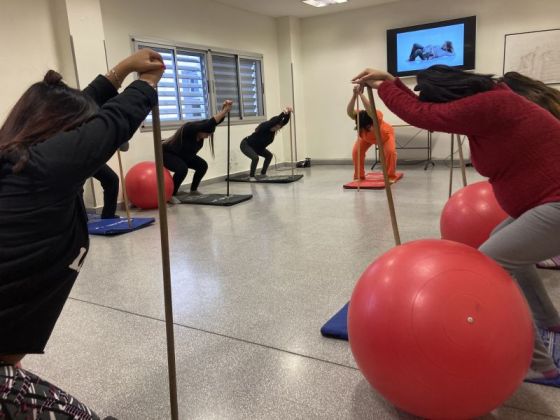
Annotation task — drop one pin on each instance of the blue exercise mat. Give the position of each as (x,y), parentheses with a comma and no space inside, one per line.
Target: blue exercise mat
(337,327)
(111,227)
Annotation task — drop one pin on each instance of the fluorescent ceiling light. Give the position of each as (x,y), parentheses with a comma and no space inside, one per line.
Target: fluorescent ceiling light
(323,3)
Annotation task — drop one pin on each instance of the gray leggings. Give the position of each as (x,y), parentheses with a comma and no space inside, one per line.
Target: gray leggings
(517,245)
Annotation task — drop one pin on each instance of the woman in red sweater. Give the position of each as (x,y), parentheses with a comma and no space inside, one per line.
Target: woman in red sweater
(366,138)
(507,133)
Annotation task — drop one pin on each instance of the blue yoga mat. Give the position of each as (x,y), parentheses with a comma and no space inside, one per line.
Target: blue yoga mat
(111,227)
(337,327)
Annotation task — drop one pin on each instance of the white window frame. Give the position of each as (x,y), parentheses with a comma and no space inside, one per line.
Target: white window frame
(207,51)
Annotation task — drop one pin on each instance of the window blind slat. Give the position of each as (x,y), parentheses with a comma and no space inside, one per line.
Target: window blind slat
(183,90)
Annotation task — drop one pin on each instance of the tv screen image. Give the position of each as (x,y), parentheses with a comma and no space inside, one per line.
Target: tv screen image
(412,49)
(418,50)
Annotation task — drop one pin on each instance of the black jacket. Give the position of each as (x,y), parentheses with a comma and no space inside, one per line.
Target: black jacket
(186,144)
(43,224)
(262,136)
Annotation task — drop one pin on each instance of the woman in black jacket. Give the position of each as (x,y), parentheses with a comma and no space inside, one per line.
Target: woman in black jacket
(256,144)
(53,139)
(180,151)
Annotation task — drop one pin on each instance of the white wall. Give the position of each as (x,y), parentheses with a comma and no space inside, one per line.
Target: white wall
(201,22)
(289,50)
(29,48)
(336,47)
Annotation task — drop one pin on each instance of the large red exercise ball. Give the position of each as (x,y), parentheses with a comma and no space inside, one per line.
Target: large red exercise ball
(440,330)
(141,185)
(470,215)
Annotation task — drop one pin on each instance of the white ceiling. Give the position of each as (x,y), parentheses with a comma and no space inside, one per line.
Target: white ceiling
(278,8)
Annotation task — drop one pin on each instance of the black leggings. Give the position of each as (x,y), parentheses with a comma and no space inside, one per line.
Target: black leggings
(254,156)
(110,183)
(180,166)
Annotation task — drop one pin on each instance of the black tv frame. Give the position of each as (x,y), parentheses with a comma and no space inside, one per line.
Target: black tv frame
(469,46)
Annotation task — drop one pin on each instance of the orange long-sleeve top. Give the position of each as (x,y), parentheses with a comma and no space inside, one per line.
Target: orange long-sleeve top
(387,131)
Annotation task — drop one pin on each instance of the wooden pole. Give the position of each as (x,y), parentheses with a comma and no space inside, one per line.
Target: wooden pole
(291,147)
(228,153)
(451,166)
(372,111)
(359,163)
(123,187)
(164,233)
(462,160)
(294,113)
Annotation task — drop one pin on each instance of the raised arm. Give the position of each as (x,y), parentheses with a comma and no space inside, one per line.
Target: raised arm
(472,115)
(286,114)
(74,155)
(106,87)
(267,125)
(226,107)
(351,107)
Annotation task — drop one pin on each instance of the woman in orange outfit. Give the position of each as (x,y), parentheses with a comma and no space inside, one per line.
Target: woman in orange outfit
(366,137)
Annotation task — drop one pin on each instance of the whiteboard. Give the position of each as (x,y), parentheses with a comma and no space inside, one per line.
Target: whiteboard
(534,54)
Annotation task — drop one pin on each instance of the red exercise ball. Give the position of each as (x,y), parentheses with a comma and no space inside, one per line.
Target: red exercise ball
(470,215)
(440,330)
(141,185)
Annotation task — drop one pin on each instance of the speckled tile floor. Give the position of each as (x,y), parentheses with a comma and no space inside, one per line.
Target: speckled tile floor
(252,286)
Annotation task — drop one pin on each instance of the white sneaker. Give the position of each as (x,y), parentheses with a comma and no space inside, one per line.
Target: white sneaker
(252,179)
(174,200)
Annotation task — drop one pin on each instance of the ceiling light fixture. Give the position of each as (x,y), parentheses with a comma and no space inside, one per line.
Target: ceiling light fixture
(323,3)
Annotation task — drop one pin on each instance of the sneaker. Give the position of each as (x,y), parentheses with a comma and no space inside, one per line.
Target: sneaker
(174,200)
(252,179)
(263,176)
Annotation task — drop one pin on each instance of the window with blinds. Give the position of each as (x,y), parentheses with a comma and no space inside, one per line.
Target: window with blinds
(251,87)
(184,93)
(167,87)
(193,85)
(226,83)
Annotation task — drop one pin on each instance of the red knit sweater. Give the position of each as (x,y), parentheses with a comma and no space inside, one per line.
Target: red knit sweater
(513,142)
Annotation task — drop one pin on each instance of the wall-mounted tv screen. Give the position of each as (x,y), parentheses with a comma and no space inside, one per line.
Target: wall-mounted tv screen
(451,42)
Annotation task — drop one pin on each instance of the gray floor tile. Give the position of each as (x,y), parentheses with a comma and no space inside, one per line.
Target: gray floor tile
(253,283)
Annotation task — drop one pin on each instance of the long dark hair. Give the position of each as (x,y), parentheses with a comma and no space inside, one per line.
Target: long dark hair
(45,109)
(178,137)
(534,90)
(365,120)
(441,83)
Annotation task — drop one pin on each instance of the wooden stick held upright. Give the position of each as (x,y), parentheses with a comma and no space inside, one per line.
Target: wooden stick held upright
(451,165)
(123,187)
(156,125)
(359,163)
(291,148)
(462,160)
(125,197)
(372,111)
(228,154)
(294,112)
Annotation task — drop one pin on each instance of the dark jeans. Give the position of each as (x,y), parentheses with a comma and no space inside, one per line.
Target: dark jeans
(254,156)
(110,183)
(180,167)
